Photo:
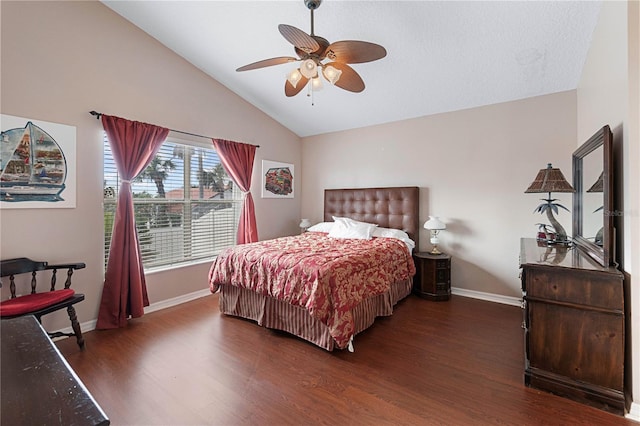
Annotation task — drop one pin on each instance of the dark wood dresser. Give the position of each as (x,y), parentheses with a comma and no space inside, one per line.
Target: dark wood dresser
(574,325)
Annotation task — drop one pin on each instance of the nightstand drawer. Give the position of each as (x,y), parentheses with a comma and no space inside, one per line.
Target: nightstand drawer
(443,263)
(442,276)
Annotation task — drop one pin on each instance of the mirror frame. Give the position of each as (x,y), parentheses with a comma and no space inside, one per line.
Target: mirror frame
(604,254)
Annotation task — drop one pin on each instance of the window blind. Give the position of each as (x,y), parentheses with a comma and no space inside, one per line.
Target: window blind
(186,206)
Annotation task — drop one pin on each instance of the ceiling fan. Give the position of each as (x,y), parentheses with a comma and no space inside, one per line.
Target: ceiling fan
(317,56)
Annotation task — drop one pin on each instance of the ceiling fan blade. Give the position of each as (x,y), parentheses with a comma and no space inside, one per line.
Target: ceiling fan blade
(355,52)
(289,90)
(267,63)
(298,38)
(349,79)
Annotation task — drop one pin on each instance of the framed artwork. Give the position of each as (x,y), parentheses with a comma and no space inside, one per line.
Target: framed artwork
(277,179)
(37,164)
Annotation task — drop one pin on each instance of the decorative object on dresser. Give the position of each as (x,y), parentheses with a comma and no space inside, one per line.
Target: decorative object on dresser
(433,276)
(598,186)
(304,225)
(574,325)
(551,180)
(434,225)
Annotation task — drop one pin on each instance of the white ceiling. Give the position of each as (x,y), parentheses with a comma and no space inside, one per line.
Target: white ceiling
(441,55)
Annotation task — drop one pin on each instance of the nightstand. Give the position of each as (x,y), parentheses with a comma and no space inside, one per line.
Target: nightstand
(433,276)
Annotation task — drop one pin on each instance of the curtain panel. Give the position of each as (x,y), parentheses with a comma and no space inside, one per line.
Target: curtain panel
(237,159)
(124,294)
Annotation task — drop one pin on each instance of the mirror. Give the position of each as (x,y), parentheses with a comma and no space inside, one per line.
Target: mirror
(593,199)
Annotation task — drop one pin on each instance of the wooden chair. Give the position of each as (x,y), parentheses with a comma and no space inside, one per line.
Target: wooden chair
(45,302)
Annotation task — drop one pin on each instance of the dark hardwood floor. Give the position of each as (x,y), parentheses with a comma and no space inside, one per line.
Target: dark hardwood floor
(432,363)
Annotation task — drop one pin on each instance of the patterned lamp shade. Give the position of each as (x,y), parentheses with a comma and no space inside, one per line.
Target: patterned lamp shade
(550,180)
(598,186)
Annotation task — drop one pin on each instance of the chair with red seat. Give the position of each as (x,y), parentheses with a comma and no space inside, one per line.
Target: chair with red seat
(45,302)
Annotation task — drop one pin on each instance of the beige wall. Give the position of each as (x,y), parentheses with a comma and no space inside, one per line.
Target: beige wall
(472,166)
(608,94)
(62,59)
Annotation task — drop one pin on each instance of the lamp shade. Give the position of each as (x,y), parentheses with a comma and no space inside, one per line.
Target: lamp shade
(598,186)
(316,84)
(332,74)
(434,223)
(550,180)
(305,223)
(309,68)
(294,77)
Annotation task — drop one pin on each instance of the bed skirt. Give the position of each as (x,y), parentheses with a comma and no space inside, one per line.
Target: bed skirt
(272,313)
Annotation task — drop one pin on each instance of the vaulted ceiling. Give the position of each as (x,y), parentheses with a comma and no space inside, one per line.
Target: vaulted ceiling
(441,55)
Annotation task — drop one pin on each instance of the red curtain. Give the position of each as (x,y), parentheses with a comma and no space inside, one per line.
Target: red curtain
(124,294)
(237,159)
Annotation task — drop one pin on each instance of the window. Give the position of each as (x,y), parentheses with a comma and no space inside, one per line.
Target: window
(186,207)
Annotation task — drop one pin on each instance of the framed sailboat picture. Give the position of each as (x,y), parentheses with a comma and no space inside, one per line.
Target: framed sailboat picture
(37,164)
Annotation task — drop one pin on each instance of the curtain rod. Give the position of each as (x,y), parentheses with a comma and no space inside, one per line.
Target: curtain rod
(98,114)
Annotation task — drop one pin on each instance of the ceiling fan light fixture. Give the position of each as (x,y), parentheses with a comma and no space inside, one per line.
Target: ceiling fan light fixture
(294,77)
(332,74)
(309,68)
(316,84)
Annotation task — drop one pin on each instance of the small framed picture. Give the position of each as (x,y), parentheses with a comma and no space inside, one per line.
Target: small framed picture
(277,179)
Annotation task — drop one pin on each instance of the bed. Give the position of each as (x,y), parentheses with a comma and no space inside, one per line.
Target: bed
(326,290)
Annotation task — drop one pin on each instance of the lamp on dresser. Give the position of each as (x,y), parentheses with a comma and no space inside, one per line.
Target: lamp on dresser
(550,180)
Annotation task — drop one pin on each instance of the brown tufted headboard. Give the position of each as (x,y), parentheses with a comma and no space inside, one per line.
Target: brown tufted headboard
(395,207)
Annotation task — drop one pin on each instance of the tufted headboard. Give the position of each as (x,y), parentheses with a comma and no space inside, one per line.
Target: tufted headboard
(395,207)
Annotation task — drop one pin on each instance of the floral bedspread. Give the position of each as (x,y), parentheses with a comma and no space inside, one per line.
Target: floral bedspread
(326,276)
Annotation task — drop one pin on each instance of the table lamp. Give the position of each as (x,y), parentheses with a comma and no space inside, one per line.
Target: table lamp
(551,180)
(434,225)
(304,225)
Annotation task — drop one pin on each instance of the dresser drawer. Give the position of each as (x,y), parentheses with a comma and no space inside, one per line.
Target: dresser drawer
(594,289)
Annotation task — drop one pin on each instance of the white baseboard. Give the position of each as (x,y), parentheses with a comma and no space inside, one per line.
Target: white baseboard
(91,325)
(177,300)
(634,412)
(490,297)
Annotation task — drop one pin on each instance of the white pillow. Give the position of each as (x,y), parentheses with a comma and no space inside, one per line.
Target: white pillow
(349,221)
(321,227)
(395,233)
(343,230)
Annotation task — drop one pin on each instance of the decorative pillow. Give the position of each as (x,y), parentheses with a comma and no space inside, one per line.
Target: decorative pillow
(362,231)
(395,233)
(321,227)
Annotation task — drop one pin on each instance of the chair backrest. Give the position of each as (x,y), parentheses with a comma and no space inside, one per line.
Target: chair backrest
(23,265)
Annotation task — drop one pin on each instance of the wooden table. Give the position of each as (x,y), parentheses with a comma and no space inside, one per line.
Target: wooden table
(37,385)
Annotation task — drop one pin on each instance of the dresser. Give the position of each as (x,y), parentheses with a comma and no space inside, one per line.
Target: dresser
(574,325)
